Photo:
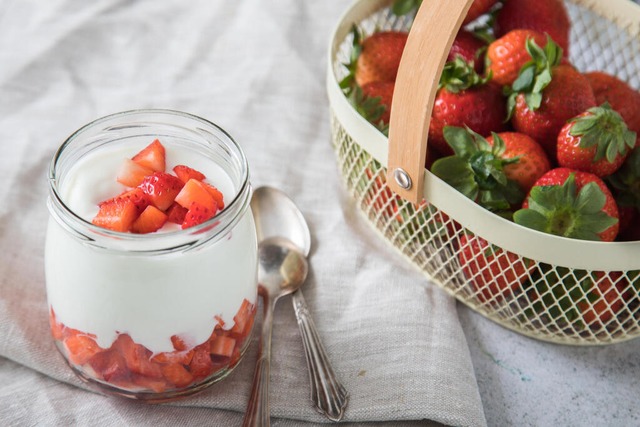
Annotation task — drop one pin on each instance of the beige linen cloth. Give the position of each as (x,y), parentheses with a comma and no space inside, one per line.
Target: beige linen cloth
(257,69)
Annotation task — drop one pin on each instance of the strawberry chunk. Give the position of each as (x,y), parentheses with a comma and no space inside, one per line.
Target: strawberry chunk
(178,343)
(222,346)
(182,357)
(162,188)
(81,348)
(136,356)
(244,318)
(196,191)
(157,385)
(176,213)
(177,374)
(201,365)
(116,214)
(150,220)
(216,194)
(152,157)
(197,214)
(109,365)
(185,173)
(57,329)
(131,173)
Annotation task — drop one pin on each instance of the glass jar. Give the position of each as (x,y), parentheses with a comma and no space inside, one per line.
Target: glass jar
(150,316)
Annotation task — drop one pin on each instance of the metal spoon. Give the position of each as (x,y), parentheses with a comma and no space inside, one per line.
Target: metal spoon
(281,271)
(275,214)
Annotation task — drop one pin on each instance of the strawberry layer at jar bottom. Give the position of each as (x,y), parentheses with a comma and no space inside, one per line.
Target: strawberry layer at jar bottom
(130,369)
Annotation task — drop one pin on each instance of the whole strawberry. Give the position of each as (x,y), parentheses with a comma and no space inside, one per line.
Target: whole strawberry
(622,97)
(570,203)
(596,141)
(494,272)
(379,57)
(478,170)
(625,186)
(545,95)
(465,99)
(531,164)
(470,48)
(545,16)
(508,54)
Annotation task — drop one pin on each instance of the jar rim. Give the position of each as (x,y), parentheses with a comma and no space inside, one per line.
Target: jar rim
(90,232)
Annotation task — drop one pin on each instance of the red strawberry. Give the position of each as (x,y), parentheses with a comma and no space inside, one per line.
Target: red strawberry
(216,194)
(222,346)
(508,54)
(162,188)
(495,273)
(478,8)
(532,161)
(197,214)
(177,374)
(603,300)
(541,115)
(622,97)
(109,365)
(150,220)
(570,203)
(136,356)
(596,141)
(152,156)
(379,57)
(131,173)
(185,173)
(469,48)
(544,16)
(477,170)
(119,213)
(201,366)
(176,213)
(196,191)
(625,185)
(382,92)
(465,99)
(81,348)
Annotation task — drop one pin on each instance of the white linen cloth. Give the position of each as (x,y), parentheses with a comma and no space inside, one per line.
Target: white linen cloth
(256,68)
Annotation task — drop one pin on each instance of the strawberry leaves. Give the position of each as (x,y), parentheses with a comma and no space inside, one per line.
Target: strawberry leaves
(604,129)
(477,170)
(564,211)
(535,75)
(460,75)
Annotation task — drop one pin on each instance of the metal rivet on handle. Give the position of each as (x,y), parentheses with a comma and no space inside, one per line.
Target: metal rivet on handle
(402,178)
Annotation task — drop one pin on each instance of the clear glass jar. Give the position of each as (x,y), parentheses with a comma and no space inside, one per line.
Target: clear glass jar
(150,316)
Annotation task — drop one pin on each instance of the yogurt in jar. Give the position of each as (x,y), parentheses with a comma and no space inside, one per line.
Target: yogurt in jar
(166,311)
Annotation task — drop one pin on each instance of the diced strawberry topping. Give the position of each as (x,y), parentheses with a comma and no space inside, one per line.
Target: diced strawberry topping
(150,220)
(185,173)
(158,385)
(216,194)
(176,213)
(131,173)
(57,329)
(162,188)
(197,214)
(183,357)
(196,191)
(152,156)
(178,343)
(116,214)
(81,348)
(177,374)
(242,318)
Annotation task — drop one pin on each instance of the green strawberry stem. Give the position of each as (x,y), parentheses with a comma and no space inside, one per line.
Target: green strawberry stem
(626,181)
(563,211)
(460,75)
(348,83)
(535,75)
(477,170)
(605,129)
(369,107)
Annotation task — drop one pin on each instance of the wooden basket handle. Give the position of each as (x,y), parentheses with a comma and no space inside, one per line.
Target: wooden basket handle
(432,33)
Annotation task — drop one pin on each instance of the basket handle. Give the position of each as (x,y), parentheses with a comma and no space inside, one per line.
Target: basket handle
(432,33)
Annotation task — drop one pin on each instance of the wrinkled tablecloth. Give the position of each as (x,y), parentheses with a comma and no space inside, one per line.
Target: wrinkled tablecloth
(406,352)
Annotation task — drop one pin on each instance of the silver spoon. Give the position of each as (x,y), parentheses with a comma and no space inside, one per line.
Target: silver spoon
(281,271)
(275,214)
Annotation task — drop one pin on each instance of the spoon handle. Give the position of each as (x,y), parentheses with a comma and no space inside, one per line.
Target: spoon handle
(327,393)
(258,411)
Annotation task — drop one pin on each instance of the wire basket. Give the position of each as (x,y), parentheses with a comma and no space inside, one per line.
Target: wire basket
(569,291)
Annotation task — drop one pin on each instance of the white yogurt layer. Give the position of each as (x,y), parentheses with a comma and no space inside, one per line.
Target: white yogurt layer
(150,297)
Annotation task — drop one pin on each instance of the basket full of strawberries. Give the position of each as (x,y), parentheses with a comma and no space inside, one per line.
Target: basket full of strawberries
(496,145)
